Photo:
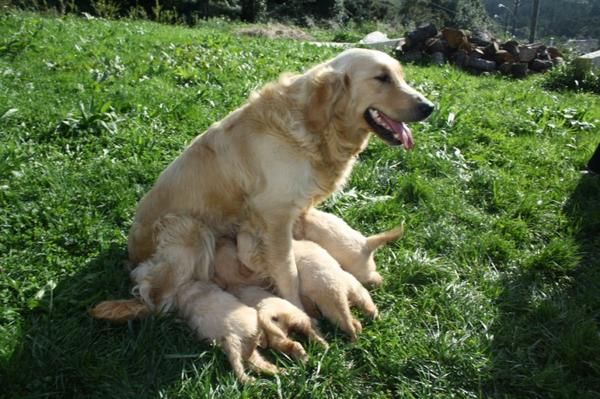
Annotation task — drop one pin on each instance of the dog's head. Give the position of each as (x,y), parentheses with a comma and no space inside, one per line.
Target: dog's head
(366,89)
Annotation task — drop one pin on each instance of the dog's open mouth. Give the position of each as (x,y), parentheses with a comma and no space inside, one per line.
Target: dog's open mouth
(391,131)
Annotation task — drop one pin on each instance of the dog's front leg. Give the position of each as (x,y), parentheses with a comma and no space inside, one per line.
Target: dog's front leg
(282,265)
(269,248)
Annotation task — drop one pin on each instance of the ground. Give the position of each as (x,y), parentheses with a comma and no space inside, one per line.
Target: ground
(493,292)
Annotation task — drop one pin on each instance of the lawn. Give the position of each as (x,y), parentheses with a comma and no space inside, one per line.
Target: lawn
(493,291)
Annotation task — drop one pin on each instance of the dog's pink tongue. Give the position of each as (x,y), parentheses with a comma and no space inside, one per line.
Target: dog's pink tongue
(401,132)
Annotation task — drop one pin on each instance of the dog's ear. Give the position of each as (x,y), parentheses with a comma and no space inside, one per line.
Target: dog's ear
(327,91)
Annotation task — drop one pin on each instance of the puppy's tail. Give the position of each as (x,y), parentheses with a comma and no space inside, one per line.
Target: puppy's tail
(120,311)
(379,240)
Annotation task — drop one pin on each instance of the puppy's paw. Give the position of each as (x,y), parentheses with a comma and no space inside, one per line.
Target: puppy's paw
(357,328)
(295,350)
(372,312)
(246,379)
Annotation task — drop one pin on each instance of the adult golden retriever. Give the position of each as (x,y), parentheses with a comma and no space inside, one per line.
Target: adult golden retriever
(289,147)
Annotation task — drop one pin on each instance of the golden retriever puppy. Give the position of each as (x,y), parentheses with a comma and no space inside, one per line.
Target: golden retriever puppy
(353,251)
(217,315)
(183,245)
(326,286)
(287,149)
(230,272)
(226,271)
(277,318)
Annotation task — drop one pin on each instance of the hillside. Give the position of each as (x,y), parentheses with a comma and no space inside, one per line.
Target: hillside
(493,292)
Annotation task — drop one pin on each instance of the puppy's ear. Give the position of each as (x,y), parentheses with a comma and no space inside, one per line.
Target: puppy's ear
(327,91)
(378,240)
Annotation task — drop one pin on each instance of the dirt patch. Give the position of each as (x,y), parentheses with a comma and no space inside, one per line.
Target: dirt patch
(275,31)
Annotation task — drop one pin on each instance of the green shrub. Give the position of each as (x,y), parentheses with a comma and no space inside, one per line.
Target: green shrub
(568,78)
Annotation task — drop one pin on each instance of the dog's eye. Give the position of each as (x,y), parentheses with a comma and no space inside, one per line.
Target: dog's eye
(384,78)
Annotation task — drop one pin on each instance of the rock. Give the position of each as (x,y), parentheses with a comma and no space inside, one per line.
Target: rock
(503,56)
(558,61)
(554,52)
(543,54)
(505,68)
(480,63)
(411,56)
(438,58)
(519,70)
(459,58)
(379,41)
(538,65)
(456,38)
(481,38)
(528,52)
(491,49)
(512,47)
(436,45)
(374,37)
(421,34)
(406,47)
(477,52)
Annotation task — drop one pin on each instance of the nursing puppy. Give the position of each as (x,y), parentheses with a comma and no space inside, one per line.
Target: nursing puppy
(217,315)
(277,318)
(182,243)
(325,286)
(287,149)
(351,249)
(167,271)
(229,272)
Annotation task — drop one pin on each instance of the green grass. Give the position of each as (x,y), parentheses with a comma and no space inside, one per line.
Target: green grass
(493,292)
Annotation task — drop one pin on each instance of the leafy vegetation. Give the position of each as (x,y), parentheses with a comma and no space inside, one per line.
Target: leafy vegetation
(558,18)
(568,77)
(493,292)
(462,13)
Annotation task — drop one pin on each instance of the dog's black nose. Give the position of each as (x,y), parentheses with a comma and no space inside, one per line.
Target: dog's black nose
(425,108)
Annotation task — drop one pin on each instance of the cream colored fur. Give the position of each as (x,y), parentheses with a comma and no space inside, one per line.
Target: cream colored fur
(326,286)
(217,315)
(351,249)
(183,247)
(230,272)
(277,318)
(287,149)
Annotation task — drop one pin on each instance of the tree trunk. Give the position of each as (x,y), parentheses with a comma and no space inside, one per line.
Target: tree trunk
(252,10)
(516,5)
(534,20)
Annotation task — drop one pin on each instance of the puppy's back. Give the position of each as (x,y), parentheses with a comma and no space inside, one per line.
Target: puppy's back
(214,313)
(316,267)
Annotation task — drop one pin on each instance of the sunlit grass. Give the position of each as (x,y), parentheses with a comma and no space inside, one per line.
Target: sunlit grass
(493,292)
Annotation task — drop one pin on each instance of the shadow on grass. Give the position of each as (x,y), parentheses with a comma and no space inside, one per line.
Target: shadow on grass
(547,336)
(64,353)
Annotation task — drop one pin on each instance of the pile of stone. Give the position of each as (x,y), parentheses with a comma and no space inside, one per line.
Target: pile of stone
(476,51)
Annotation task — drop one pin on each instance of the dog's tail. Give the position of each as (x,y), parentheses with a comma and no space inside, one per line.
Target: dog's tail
(121,310)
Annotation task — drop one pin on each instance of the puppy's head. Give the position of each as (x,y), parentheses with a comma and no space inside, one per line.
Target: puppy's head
(368,88)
